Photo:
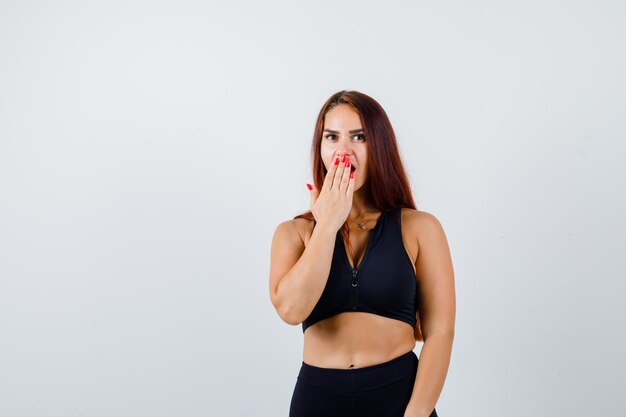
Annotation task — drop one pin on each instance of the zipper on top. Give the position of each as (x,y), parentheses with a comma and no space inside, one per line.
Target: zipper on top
(354,284)
(354,274)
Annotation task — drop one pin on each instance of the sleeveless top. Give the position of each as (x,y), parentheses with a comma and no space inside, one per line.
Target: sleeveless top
(384,283)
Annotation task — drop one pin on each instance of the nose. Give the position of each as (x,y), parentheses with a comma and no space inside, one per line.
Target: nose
(344,149)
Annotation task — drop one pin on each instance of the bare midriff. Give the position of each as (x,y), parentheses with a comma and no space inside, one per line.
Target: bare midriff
(355,339)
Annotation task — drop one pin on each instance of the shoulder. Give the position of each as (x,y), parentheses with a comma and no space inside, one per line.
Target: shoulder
(294,230)
(421,223)
(433,262)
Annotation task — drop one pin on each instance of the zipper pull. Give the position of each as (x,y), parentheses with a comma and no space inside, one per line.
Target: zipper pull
(354,291)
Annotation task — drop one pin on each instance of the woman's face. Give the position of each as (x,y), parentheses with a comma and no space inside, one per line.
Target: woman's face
(344,135)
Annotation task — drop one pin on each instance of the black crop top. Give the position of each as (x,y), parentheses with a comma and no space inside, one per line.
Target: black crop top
(384,283)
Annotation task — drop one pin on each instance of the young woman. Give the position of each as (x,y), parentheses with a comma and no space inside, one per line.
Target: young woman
(366,274)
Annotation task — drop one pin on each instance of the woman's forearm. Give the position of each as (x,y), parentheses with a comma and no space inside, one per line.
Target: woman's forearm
(432,369)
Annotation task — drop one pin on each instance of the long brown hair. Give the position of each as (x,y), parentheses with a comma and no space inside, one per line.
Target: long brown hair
(387,186)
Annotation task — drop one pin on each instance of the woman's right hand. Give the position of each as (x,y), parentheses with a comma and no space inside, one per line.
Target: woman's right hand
(331,206)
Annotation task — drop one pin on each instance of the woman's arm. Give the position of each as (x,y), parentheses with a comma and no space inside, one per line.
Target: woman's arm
(437,311)
(298,274)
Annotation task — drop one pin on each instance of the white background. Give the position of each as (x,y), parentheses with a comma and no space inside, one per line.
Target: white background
(149,149)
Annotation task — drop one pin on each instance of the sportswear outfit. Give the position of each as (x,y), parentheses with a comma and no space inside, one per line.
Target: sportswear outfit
(384,284)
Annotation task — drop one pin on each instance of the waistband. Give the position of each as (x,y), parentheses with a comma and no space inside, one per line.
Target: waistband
(360,379)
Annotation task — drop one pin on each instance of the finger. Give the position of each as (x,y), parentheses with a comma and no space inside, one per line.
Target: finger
(328,180)
(351,182)
(345,177)
(311,188)
(313,193)
(338,174)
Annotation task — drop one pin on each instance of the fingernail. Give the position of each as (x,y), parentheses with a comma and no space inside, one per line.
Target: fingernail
(343,158)
(352,174)
(309,185)
(337,161)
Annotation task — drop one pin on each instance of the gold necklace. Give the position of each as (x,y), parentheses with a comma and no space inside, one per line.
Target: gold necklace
(362,224)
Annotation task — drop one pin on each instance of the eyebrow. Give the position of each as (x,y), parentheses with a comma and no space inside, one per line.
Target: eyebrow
(351,131)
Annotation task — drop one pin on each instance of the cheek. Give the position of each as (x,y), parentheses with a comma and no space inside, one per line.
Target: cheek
(326,157)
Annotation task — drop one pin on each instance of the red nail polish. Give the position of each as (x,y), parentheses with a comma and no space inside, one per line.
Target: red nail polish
(337,161)
(309,185)
(352,174)
(343,158)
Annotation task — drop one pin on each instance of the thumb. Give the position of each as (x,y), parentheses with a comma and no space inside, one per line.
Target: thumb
(314,192)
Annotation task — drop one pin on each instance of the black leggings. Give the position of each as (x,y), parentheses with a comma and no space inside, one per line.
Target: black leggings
(381,390)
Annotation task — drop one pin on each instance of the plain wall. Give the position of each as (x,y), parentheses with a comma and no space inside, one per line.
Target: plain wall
(148,150)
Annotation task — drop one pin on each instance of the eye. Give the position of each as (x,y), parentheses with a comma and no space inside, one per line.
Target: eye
(359,137)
